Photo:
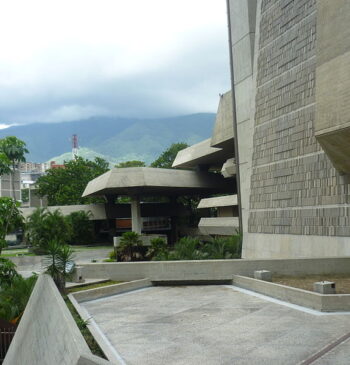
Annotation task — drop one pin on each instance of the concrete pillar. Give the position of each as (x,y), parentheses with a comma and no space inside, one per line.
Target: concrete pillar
(136,224)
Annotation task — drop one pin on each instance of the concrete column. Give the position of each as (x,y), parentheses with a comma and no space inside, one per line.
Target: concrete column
(136,223)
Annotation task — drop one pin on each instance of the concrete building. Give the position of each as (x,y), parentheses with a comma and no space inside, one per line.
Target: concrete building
(6,185)
(290,61)
(141,182)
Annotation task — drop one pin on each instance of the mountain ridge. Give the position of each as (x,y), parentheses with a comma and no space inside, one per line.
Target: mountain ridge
(117,138)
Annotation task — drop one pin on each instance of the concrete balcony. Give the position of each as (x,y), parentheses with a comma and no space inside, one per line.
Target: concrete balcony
(223,226)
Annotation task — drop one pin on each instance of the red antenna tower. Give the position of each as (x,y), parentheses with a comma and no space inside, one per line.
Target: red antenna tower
(75,146)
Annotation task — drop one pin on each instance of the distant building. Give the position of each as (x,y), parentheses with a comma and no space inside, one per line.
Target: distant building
(6,185)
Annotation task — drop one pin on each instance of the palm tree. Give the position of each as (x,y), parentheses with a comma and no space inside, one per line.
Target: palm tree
(14,149)
(59,263)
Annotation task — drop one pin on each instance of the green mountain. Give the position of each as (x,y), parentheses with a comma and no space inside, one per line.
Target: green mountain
(116,139)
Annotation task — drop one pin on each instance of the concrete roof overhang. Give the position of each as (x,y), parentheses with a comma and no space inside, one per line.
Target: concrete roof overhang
(201,154)
(155,181)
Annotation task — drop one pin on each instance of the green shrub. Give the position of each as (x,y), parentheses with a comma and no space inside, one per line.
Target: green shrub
(43,226)
(112,255)
(130,247)
(224,248)
(158,251)
(187,248)
(14,297)
(7,272)
(81,227)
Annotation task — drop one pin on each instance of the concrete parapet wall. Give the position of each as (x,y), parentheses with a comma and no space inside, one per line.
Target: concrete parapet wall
(213,269)
(305,298)
(47,333)
(108,290)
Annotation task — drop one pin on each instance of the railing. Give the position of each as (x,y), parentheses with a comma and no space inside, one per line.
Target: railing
(6,336)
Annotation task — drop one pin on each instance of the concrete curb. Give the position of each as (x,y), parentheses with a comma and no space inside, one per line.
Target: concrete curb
(305,298)
(106,291)
(99,337)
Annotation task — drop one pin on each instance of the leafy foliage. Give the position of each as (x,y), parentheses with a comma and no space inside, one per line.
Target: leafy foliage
(130,247)
(65,186)
(187,248)
(166,159)
(59,258)
(12,152)
(224,248)
(158,251)
(44,226)
(10,218)
(133,163)
(7,272)
(81,227)
(14,295)
(190,248)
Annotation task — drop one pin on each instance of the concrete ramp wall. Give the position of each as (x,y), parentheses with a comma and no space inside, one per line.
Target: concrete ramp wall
(47,333)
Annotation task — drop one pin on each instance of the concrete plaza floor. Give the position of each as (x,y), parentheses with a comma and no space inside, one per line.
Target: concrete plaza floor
(215,325)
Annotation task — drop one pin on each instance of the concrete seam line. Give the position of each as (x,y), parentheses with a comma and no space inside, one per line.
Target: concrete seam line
(116,294)
(107,290)
(325,350)
(286,304)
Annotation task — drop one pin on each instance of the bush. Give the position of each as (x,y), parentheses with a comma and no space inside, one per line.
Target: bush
(158,251)
(131,247)
(112,255)
(81,227)
(14,297)
(187,248)
(224,248)
(43,226)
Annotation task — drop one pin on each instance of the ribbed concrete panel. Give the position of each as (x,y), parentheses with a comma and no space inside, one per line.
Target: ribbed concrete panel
(223,226)
(332,122)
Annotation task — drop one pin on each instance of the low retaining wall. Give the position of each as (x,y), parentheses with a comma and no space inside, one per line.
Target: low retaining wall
(47,333)
(108,290)
(305,298)
(213,269)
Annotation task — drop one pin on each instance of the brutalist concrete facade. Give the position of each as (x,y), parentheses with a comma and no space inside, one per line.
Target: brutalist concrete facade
(298,199)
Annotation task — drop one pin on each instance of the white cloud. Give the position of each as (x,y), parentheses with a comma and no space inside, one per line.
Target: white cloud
(56,54)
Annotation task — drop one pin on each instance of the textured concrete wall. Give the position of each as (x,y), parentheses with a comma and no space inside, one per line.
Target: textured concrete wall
(332,122)
(47,333)
(295,189)
(243,19)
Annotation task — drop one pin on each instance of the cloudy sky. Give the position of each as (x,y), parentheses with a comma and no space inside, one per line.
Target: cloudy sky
(66,60)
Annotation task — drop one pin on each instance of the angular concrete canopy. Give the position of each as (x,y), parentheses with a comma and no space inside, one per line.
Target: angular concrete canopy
(223,226)
(201,154)
(150,181)
(218,201)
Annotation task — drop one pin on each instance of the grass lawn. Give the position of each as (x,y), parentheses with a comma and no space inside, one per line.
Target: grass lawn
(342,282)
(92,286)
(16,252)
(90,247)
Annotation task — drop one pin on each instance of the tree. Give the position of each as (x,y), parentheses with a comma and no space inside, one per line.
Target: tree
(133,163)
(65,186)
(44,226)
(13,152)
(81,227)
(166,159)
(10,218)
(59,263)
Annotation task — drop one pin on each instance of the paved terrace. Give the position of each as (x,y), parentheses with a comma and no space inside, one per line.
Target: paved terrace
(216,325)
